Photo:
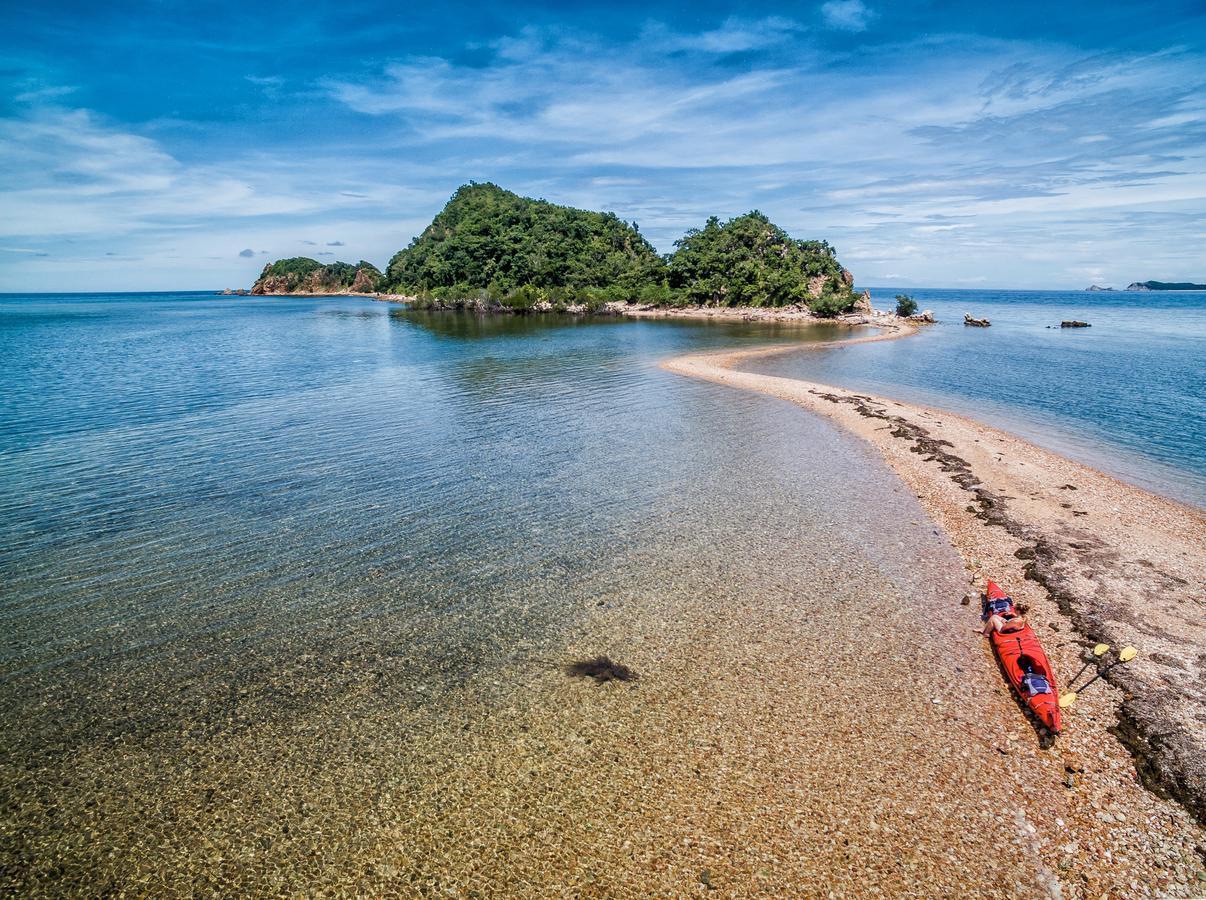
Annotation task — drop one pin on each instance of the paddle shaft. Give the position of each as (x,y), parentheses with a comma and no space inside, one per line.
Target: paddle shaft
(1072,680)
(1095,677)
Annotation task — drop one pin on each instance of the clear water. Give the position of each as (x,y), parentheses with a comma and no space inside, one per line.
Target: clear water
(231,530)
(255,555)
(1126,395)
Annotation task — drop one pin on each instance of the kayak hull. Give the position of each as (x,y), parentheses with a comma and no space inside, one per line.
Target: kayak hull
(1016,644)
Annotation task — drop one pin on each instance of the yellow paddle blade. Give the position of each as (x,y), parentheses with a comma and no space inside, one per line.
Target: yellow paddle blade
(1101,649)
(1066,700)
(1127,654)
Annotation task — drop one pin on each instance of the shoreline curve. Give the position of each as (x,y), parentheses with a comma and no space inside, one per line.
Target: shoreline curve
(1089,554)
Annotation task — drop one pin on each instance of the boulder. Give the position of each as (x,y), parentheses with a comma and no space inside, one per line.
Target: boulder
(925,317)
(1074,323)
(977,323)
(863,304)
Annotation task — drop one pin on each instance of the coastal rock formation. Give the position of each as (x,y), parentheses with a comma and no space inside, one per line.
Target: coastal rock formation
(925,317)
(302,275)
(978,323)
(1094,287)
(1073,323)
(863,304)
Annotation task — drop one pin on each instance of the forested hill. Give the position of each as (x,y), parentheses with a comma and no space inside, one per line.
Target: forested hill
(490,239)
(492,249)
(302,275)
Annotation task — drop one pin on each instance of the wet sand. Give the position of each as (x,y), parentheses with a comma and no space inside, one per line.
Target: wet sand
(1095,560)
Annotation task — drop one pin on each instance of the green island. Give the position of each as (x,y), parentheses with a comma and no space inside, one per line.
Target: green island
(302,275)
(492,250)
(1165,286)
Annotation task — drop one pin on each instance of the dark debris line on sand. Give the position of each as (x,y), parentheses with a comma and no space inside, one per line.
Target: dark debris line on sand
(1169,762)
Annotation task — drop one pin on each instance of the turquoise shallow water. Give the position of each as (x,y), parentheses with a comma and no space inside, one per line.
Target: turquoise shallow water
(1127,395)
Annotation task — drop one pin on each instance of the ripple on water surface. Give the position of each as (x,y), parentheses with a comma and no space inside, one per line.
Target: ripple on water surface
(279,574)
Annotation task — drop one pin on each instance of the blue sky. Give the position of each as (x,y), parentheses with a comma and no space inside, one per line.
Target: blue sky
(162,145)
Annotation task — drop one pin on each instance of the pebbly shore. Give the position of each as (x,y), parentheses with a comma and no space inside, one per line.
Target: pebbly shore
(1093,559)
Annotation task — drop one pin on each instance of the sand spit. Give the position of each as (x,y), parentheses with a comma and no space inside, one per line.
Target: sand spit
(1094,558)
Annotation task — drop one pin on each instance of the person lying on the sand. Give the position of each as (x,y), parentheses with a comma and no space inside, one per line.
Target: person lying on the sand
(1003,623)
(1001,616)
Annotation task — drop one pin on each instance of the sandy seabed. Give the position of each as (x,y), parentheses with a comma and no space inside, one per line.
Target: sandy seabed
(857,745)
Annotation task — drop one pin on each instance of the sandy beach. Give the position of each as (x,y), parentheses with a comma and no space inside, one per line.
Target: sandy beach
(1094,559)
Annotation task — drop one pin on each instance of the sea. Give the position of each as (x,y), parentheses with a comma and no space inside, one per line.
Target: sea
(1127,395)
(230,527)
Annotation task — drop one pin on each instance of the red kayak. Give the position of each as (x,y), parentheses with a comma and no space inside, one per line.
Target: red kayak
(1023,659)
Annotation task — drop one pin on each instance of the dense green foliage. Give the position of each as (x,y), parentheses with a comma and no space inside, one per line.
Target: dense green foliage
(298,266)
(492,240)
(300,273)
(905,305)
(749,261)
(489,248)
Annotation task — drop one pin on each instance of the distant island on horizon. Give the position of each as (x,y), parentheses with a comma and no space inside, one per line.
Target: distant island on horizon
(1153,286)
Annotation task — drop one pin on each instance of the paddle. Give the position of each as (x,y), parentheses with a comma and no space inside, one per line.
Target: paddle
(1099,651)
(1125,656)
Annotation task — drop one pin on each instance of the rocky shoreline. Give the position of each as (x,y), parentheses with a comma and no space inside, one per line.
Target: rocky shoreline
(862,314)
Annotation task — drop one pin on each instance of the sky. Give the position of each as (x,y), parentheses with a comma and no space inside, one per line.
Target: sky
(161,145)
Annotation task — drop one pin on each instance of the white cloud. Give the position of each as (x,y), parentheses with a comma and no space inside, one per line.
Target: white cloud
(847,15)
(1024,141)
(733,36)
(67,172)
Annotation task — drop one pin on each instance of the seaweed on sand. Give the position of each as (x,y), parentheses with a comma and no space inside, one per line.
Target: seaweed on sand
(601,669)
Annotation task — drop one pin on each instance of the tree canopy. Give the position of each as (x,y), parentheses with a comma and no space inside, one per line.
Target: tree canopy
(488,238)
(305,275)
(750,261)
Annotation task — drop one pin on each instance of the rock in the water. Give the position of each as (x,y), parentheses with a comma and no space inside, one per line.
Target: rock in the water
(978,323)
(925,317)
(1074,323)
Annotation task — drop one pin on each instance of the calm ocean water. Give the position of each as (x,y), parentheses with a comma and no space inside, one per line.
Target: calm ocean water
(231,527)
(1127,395)
(233,532)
